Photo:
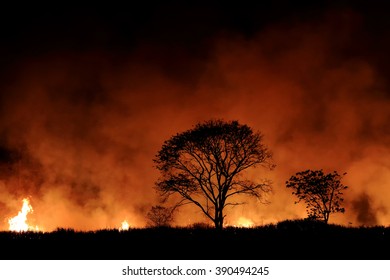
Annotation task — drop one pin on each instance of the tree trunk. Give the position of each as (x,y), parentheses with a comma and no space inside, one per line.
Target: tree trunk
(326,217)
(218,221)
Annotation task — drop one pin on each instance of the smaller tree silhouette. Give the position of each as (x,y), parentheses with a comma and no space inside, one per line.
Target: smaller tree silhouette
(321,192)
(160,216)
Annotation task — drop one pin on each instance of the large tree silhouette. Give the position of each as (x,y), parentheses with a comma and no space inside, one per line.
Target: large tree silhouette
(321,192)
(205,166)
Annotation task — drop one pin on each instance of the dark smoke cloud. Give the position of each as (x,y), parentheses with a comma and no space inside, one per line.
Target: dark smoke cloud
(365,211)
(80,122)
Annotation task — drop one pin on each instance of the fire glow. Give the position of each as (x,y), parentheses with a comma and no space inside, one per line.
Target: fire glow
(242,222)
(80,127)
(19,222)
(124,226)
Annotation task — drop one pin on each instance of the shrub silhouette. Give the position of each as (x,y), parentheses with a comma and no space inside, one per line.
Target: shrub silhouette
(321,192)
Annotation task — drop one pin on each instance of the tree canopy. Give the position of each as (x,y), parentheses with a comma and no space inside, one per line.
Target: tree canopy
(160,216)
(321,192)
(205,166)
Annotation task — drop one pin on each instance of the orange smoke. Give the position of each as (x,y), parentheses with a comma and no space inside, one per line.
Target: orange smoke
(79,128)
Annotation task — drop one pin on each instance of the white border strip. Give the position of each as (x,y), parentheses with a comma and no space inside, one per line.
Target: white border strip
(201,269)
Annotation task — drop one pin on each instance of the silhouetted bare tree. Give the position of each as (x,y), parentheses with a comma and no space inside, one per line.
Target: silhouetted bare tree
(159,216)
(321,192)
(205,164)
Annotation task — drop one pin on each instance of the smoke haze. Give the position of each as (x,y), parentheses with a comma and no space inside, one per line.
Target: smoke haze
(80,121)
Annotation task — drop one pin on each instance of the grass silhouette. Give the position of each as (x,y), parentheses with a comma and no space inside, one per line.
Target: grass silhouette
(289,239)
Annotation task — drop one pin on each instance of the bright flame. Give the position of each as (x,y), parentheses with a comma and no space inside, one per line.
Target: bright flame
(244,222)
(19,222)
(125,225)
(241,222)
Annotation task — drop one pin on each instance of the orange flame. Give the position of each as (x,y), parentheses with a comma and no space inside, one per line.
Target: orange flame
(19,222)
(242,222)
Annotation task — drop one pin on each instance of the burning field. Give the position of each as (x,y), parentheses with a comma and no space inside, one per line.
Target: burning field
(88,97)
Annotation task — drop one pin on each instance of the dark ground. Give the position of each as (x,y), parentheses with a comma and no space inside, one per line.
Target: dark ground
(296,240)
